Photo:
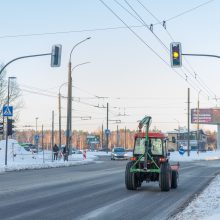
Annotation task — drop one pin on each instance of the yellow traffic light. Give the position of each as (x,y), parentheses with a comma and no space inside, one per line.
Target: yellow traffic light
(175,54)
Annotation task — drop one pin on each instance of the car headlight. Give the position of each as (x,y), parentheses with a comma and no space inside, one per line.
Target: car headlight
(115,155)
(125,155)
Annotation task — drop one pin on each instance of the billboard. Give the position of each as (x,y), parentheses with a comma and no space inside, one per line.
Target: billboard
(205,116)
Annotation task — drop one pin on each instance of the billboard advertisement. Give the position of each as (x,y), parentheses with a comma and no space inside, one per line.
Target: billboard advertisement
(205,116)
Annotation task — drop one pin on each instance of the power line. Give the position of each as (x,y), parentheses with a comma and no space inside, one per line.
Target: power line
(205,87)
(189,10)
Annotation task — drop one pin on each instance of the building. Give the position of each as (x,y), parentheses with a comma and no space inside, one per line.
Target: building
(179,137)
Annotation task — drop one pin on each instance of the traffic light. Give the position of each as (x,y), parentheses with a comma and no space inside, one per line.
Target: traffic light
(1,128)
(10,126)
(56,55)
(176,54)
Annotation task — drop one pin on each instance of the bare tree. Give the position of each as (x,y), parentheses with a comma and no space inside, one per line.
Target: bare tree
(14,94)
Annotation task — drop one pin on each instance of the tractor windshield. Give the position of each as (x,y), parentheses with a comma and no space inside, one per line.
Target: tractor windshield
(155,146)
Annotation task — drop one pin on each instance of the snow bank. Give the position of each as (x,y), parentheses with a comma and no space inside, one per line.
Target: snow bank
(208,155)
(206,206)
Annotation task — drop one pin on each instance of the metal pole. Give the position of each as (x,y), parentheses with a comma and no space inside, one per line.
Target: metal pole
(52,138)
(188,119)
(59,107)
(6,144)
(42,141)
(107,133)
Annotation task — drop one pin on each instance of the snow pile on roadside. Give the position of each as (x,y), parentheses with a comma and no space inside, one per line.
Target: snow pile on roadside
(208,155)
(206,206)
(19,159)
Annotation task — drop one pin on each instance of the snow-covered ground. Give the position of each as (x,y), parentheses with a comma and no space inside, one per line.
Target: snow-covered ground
(18,158)
(205,207)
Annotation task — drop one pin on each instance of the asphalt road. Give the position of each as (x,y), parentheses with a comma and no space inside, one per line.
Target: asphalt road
(96,191)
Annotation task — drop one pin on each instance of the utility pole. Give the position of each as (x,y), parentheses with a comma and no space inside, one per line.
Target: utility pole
(42,140)
(52,137)
(102,136)
(188,119)
(117,137)
(125,137)
(59,107)
(198,123)
(107,130)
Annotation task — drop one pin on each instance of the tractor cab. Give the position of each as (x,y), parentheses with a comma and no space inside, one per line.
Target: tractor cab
(157,144)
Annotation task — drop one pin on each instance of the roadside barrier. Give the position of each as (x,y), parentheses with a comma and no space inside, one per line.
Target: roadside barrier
(84,155)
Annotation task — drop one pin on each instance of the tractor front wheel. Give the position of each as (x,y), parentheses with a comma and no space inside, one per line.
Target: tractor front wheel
(165,177)
(131,180)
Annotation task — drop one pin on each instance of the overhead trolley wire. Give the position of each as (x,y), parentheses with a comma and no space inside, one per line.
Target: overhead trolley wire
(205,87)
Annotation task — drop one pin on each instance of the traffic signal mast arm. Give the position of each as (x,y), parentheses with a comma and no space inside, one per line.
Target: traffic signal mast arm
(200,55)
(23,57)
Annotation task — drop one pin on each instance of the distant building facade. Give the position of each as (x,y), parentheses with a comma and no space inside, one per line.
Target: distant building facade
(179,137)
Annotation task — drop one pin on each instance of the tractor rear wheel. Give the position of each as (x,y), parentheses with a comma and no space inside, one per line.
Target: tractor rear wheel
(165,177)
(131,181)
(174,182)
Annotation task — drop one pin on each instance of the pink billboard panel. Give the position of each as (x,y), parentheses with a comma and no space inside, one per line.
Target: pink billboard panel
(205,116)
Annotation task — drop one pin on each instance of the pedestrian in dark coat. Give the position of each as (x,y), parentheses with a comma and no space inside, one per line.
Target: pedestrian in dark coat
(55,152)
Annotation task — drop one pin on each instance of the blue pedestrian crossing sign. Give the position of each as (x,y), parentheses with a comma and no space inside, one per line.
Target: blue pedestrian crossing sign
(181,151)
(7,110)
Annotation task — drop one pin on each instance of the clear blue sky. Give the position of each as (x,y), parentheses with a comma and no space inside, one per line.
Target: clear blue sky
(122,68)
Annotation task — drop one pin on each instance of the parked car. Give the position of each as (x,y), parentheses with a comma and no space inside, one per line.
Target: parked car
(119,153)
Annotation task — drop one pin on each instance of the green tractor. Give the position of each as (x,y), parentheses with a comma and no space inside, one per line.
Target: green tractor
(150,160)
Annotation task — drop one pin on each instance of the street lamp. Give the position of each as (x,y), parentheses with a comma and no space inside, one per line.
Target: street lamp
(69,99)
(8,99)
(198,122)
(59,101)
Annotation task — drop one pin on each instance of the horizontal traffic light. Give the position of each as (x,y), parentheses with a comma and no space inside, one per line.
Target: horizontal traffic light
(176,54)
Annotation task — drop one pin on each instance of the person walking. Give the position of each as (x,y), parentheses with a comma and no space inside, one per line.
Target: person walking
(65,154)
(55,152)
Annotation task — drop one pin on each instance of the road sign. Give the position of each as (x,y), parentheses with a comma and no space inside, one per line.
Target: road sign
(107,132)
(7,110)
(181,151)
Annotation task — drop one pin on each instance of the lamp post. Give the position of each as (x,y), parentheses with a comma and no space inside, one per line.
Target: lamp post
(198,122)
(8,99)
(59,101)
(69,100)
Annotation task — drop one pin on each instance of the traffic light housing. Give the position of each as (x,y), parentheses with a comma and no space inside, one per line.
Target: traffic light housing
(1,128)
(56,55)
(176,54)
(10,126)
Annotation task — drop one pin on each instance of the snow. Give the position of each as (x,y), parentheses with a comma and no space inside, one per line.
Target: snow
(23,159)
(208,155)
(205,207)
